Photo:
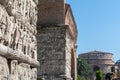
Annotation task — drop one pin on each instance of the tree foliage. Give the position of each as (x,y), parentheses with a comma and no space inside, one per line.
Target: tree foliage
(78,77)
(83,67)
(99,75)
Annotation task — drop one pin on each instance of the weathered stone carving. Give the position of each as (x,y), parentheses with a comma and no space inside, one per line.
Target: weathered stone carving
(16,35)
(23,10)
(13,70)
(18,57)
(10,29)
(4,70)
(3,17)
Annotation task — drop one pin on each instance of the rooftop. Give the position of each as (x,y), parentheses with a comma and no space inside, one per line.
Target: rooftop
(96,52)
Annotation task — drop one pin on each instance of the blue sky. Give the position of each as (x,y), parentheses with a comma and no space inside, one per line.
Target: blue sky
(98,23)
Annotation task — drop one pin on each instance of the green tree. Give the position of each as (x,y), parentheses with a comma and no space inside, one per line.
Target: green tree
(78,77)
(99,75)
(83,67)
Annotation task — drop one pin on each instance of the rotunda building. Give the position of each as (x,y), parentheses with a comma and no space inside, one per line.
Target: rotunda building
(99,60)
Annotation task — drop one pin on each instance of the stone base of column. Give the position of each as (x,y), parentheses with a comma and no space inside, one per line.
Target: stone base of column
(54,77)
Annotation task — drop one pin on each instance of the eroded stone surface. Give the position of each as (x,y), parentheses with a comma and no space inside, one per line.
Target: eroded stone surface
(4,70)
(18,50)
(54,52)
(17,35)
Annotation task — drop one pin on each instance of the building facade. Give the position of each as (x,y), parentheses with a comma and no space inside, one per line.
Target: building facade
(57,34)
(98,59)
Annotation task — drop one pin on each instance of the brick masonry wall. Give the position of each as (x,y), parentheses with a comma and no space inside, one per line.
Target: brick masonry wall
(69,20)
(51,12)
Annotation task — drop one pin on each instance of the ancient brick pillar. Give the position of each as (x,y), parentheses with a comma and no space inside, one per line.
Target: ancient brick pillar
(56,41)
(51,12)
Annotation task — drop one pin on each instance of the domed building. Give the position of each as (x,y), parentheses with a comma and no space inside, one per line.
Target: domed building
(99,60)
